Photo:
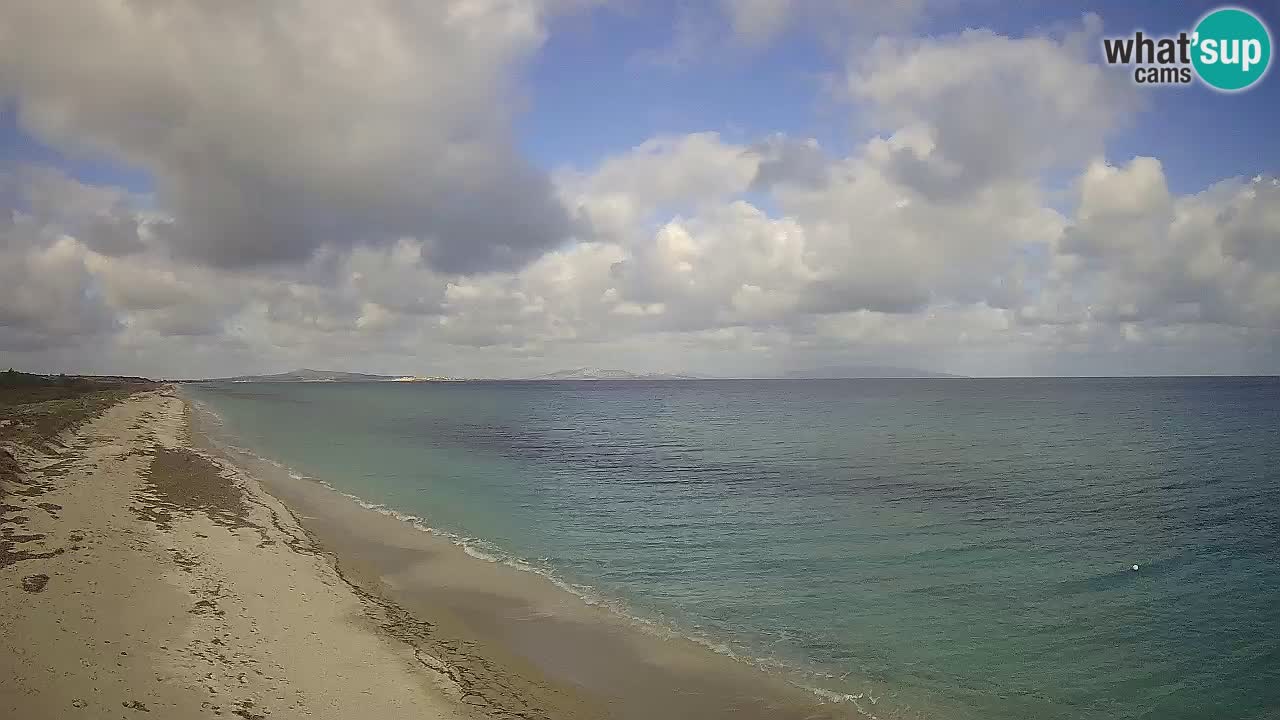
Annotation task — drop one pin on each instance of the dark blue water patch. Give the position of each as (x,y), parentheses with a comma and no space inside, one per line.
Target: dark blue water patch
(955,544)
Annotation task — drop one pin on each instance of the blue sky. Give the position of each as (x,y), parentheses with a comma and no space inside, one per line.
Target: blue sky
(593,94)
(390,198)
(19,147)
(590,92)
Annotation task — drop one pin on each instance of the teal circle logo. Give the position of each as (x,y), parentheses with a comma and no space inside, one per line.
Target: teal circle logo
(1231,49)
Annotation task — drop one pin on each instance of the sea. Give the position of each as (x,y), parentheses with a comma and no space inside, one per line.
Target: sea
(984,548)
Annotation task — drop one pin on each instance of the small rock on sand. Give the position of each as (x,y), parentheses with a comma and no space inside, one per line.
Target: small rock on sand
(35,583)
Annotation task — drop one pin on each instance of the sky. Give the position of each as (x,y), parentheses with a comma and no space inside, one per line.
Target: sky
(502,188)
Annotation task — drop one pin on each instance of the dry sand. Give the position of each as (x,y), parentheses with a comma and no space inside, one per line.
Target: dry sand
(143,573)
(137,576)
(517,642)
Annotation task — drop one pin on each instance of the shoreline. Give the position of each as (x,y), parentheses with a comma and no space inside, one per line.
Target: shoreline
(154,582)
(153,574)
(526,623)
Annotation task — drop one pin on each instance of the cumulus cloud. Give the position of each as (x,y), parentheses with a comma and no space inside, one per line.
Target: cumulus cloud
(785,160)
(978,107)
(338,185)
(1147,256)
(104,216)
(46,292)
(664,174)
(274,129)
(167,299)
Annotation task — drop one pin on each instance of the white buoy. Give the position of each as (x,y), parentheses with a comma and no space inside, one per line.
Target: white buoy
(1135,568)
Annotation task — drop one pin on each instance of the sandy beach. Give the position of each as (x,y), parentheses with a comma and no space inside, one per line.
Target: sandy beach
(142,580)
(143,573)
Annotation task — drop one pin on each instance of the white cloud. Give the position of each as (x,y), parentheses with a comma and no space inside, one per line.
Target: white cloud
(272,129)
(981,108)
(1145,256)
(104,216)
(660,176)
(45,288)
(372,151)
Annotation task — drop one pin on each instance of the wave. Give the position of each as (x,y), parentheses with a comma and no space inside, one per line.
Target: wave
(804,678)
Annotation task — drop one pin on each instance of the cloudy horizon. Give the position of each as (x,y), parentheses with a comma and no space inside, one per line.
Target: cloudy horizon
(490,188)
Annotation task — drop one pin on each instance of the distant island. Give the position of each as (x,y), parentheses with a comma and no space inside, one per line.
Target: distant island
(825,373)
(588,373)
(864,371)
(306,375)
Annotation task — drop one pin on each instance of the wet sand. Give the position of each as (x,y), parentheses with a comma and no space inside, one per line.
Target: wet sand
(528,627)
(143,572)
(143,582)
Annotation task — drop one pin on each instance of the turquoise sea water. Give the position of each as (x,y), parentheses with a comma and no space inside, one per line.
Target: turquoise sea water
(958,545)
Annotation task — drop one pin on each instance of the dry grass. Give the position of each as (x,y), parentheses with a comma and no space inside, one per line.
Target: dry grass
(35,409)
(46,414)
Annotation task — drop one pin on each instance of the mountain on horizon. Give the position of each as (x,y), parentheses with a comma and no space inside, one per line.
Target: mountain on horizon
(589,373)
(309,375)
(863,371)
(595,373)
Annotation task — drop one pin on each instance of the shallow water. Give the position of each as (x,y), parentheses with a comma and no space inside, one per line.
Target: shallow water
(963,546)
